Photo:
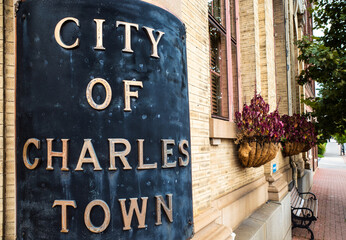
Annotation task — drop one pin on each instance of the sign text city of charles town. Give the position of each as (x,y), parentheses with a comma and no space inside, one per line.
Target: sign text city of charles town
(113,155)
(138,156)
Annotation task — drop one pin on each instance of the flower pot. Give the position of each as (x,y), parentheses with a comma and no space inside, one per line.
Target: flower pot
(293,148)
(254,154)
(306,148)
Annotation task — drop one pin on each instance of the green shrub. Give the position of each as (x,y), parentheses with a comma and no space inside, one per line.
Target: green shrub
(321,149)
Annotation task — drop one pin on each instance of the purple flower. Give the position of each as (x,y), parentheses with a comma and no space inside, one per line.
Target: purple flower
(255,121)
(299,129)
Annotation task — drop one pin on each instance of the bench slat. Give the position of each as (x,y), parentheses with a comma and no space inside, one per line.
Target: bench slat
(311,204)
(295,199)
(299,212)
(298,202)
(316,208)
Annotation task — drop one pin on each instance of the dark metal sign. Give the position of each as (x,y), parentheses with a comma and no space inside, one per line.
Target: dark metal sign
(102,122)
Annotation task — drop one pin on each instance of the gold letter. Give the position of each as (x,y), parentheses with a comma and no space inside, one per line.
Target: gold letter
(27,163)
(113,154)
(89,96)
(127,34)
(166,152)
(127,217)
(168,210)
(141,165)
(183,151)
(58,29)
(63,154)
(64,204)
(106,220)
(99,39)
(154,42)
(128,93)
(88,146)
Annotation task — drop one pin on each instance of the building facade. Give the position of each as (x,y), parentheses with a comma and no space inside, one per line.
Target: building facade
(234,49)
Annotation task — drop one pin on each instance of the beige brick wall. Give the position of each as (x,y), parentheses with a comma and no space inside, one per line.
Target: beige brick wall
(250,56)
(227,172)
(280,161)
(267,50)
(8,92)
(2,117)
(280,56)
(283,162)
(195,17)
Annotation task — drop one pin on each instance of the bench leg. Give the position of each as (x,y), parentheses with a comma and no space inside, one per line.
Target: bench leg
(304,224)
(312,234)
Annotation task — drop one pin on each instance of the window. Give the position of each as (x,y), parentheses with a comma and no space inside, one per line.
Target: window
(223,58)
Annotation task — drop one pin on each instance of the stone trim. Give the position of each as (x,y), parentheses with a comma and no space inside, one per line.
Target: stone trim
(271,221)
(222,129)
(217,218)
(206,218)
(239,193)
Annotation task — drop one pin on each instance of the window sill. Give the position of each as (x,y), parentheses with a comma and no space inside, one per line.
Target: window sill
(221,129)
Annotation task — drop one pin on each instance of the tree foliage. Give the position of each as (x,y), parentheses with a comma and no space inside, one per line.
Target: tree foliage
(340,138)
(325,59)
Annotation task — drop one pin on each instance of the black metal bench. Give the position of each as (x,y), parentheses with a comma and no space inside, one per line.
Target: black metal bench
(304,208)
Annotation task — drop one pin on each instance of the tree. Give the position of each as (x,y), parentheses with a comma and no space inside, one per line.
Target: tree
(340,138)
(325,59)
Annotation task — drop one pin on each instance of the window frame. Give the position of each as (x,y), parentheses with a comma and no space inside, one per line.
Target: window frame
(229,61)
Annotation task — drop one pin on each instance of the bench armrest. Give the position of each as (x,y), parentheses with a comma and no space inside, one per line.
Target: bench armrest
(307,212)
(313,196)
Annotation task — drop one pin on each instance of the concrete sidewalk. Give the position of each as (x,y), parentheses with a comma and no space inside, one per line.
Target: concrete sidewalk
(329,185)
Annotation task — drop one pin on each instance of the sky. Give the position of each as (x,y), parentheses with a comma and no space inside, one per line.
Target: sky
(317,33)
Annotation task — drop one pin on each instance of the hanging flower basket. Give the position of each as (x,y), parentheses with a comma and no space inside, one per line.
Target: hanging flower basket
(259,134)
(293,148)
(300,135)
(254,154)
(306,148)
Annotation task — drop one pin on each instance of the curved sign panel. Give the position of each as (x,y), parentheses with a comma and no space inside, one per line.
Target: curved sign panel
(102,122)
